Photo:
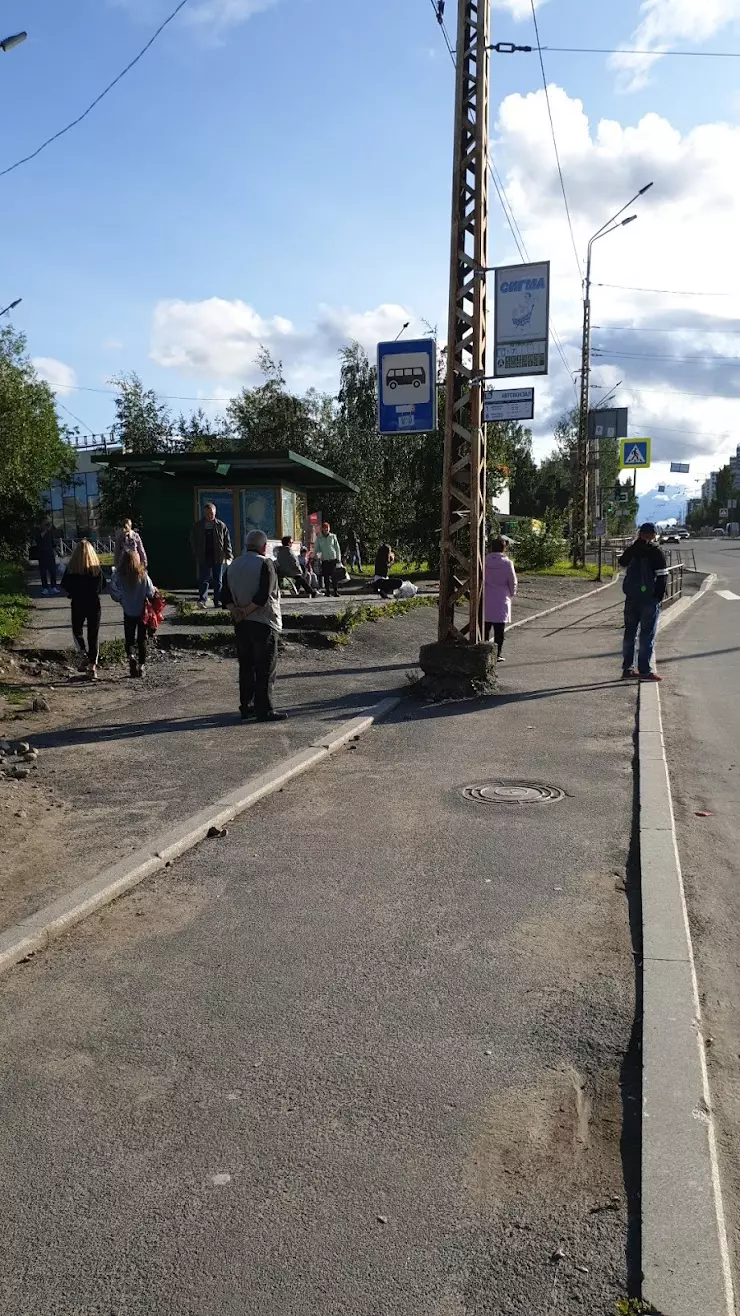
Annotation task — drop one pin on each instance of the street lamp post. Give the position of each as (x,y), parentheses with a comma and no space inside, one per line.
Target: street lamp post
(12,306)
(586,469)
(10,43)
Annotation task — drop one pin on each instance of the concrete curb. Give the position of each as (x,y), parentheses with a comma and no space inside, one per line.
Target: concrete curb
(685,1256)
(35,933)
(678,609)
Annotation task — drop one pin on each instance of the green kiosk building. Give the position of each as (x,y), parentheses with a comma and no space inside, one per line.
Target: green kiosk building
(278,492)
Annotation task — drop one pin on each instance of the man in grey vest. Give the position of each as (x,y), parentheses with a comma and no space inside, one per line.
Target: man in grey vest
(252,595)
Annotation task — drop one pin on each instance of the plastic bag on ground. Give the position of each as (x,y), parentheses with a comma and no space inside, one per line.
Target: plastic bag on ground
(406,590)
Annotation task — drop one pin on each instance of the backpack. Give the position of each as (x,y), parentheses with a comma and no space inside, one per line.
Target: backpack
(639,580)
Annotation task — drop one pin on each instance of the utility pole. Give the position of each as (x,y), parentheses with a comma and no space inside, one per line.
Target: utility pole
(580,501)
(464,479)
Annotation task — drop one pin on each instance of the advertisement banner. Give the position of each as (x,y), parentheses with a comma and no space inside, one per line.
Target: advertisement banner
(521,320)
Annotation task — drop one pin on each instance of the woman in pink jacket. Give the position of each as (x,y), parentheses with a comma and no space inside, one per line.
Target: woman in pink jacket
(501,586)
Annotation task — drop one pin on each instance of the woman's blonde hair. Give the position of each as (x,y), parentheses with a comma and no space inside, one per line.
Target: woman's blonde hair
(131,568)
(83,559)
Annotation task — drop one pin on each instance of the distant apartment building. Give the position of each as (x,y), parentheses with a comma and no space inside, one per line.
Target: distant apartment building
(734,464)
(709,488)
(692,505)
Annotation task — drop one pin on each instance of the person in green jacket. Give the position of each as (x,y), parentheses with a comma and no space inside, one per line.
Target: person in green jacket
(327,548)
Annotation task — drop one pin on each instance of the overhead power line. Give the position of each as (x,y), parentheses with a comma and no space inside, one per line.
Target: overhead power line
(555,141)
(509,216)
(648,329)
(72,414)
(601,50)
(55,137)
(667,292)
(658,356)
(439,13)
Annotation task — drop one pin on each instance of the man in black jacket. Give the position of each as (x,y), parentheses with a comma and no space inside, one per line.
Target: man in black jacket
(211,544)
(645,582)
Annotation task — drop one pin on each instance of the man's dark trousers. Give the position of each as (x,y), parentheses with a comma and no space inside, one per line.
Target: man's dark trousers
(257,651)
(645,617)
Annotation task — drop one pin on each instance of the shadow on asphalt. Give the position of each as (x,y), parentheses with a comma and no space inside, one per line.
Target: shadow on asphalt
(453,707)
(352,703)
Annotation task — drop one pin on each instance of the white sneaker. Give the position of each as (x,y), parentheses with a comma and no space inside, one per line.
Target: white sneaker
(501,658)
(45,593)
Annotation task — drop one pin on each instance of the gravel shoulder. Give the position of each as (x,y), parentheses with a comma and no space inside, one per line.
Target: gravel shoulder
(120,762)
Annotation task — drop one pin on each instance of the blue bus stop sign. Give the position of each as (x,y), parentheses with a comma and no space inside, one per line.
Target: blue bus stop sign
(407,386)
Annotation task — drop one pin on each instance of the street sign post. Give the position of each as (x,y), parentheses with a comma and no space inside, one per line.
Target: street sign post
(723,513)
(600,529)
(634,454)
(521,320)
(407,386)
(508,404)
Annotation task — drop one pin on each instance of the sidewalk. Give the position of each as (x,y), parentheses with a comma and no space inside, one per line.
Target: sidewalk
(48,629)
(120,762)
(371,1052)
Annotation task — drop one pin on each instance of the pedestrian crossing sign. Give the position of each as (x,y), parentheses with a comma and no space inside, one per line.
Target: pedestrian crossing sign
(634,454)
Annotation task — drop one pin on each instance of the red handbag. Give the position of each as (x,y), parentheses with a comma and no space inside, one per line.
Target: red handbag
(153,613)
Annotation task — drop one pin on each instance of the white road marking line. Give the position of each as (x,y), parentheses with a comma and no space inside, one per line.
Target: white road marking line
(727,594)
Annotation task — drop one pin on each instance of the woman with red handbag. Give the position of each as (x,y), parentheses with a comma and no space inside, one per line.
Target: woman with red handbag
(133,589)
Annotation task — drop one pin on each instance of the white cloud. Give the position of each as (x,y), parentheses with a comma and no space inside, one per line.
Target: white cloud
(518,9)
(212,17)
(684,240)
(220,339)
(220,14)
(667,23)
(61,377)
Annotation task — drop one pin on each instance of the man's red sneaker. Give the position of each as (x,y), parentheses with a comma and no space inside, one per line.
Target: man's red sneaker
(651,676)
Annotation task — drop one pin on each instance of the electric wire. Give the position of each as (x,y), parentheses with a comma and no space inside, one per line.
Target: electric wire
(667,292)
(55,137)
(555,140)
(72,414)
(660,356)
(509,215)
(439,8)
(601,50)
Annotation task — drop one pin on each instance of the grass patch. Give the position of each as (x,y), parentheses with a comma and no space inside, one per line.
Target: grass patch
(15,694)
(187,611)
(569,572)
(15,601)
(360,613)
(398,569)
(112,651)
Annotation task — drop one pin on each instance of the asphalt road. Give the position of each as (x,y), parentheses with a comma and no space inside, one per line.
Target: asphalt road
(371,1053)
(699,661)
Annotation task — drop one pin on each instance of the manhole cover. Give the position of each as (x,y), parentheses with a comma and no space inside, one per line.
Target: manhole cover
(513,792)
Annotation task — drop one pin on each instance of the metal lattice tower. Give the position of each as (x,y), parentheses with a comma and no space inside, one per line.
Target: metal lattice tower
(464,481)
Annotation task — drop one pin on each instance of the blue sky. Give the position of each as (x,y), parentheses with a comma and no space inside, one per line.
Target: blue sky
(284,176)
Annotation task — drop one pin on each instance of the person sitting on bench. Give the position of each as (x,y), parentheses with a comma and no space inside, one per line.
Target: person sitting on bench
(289,568)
